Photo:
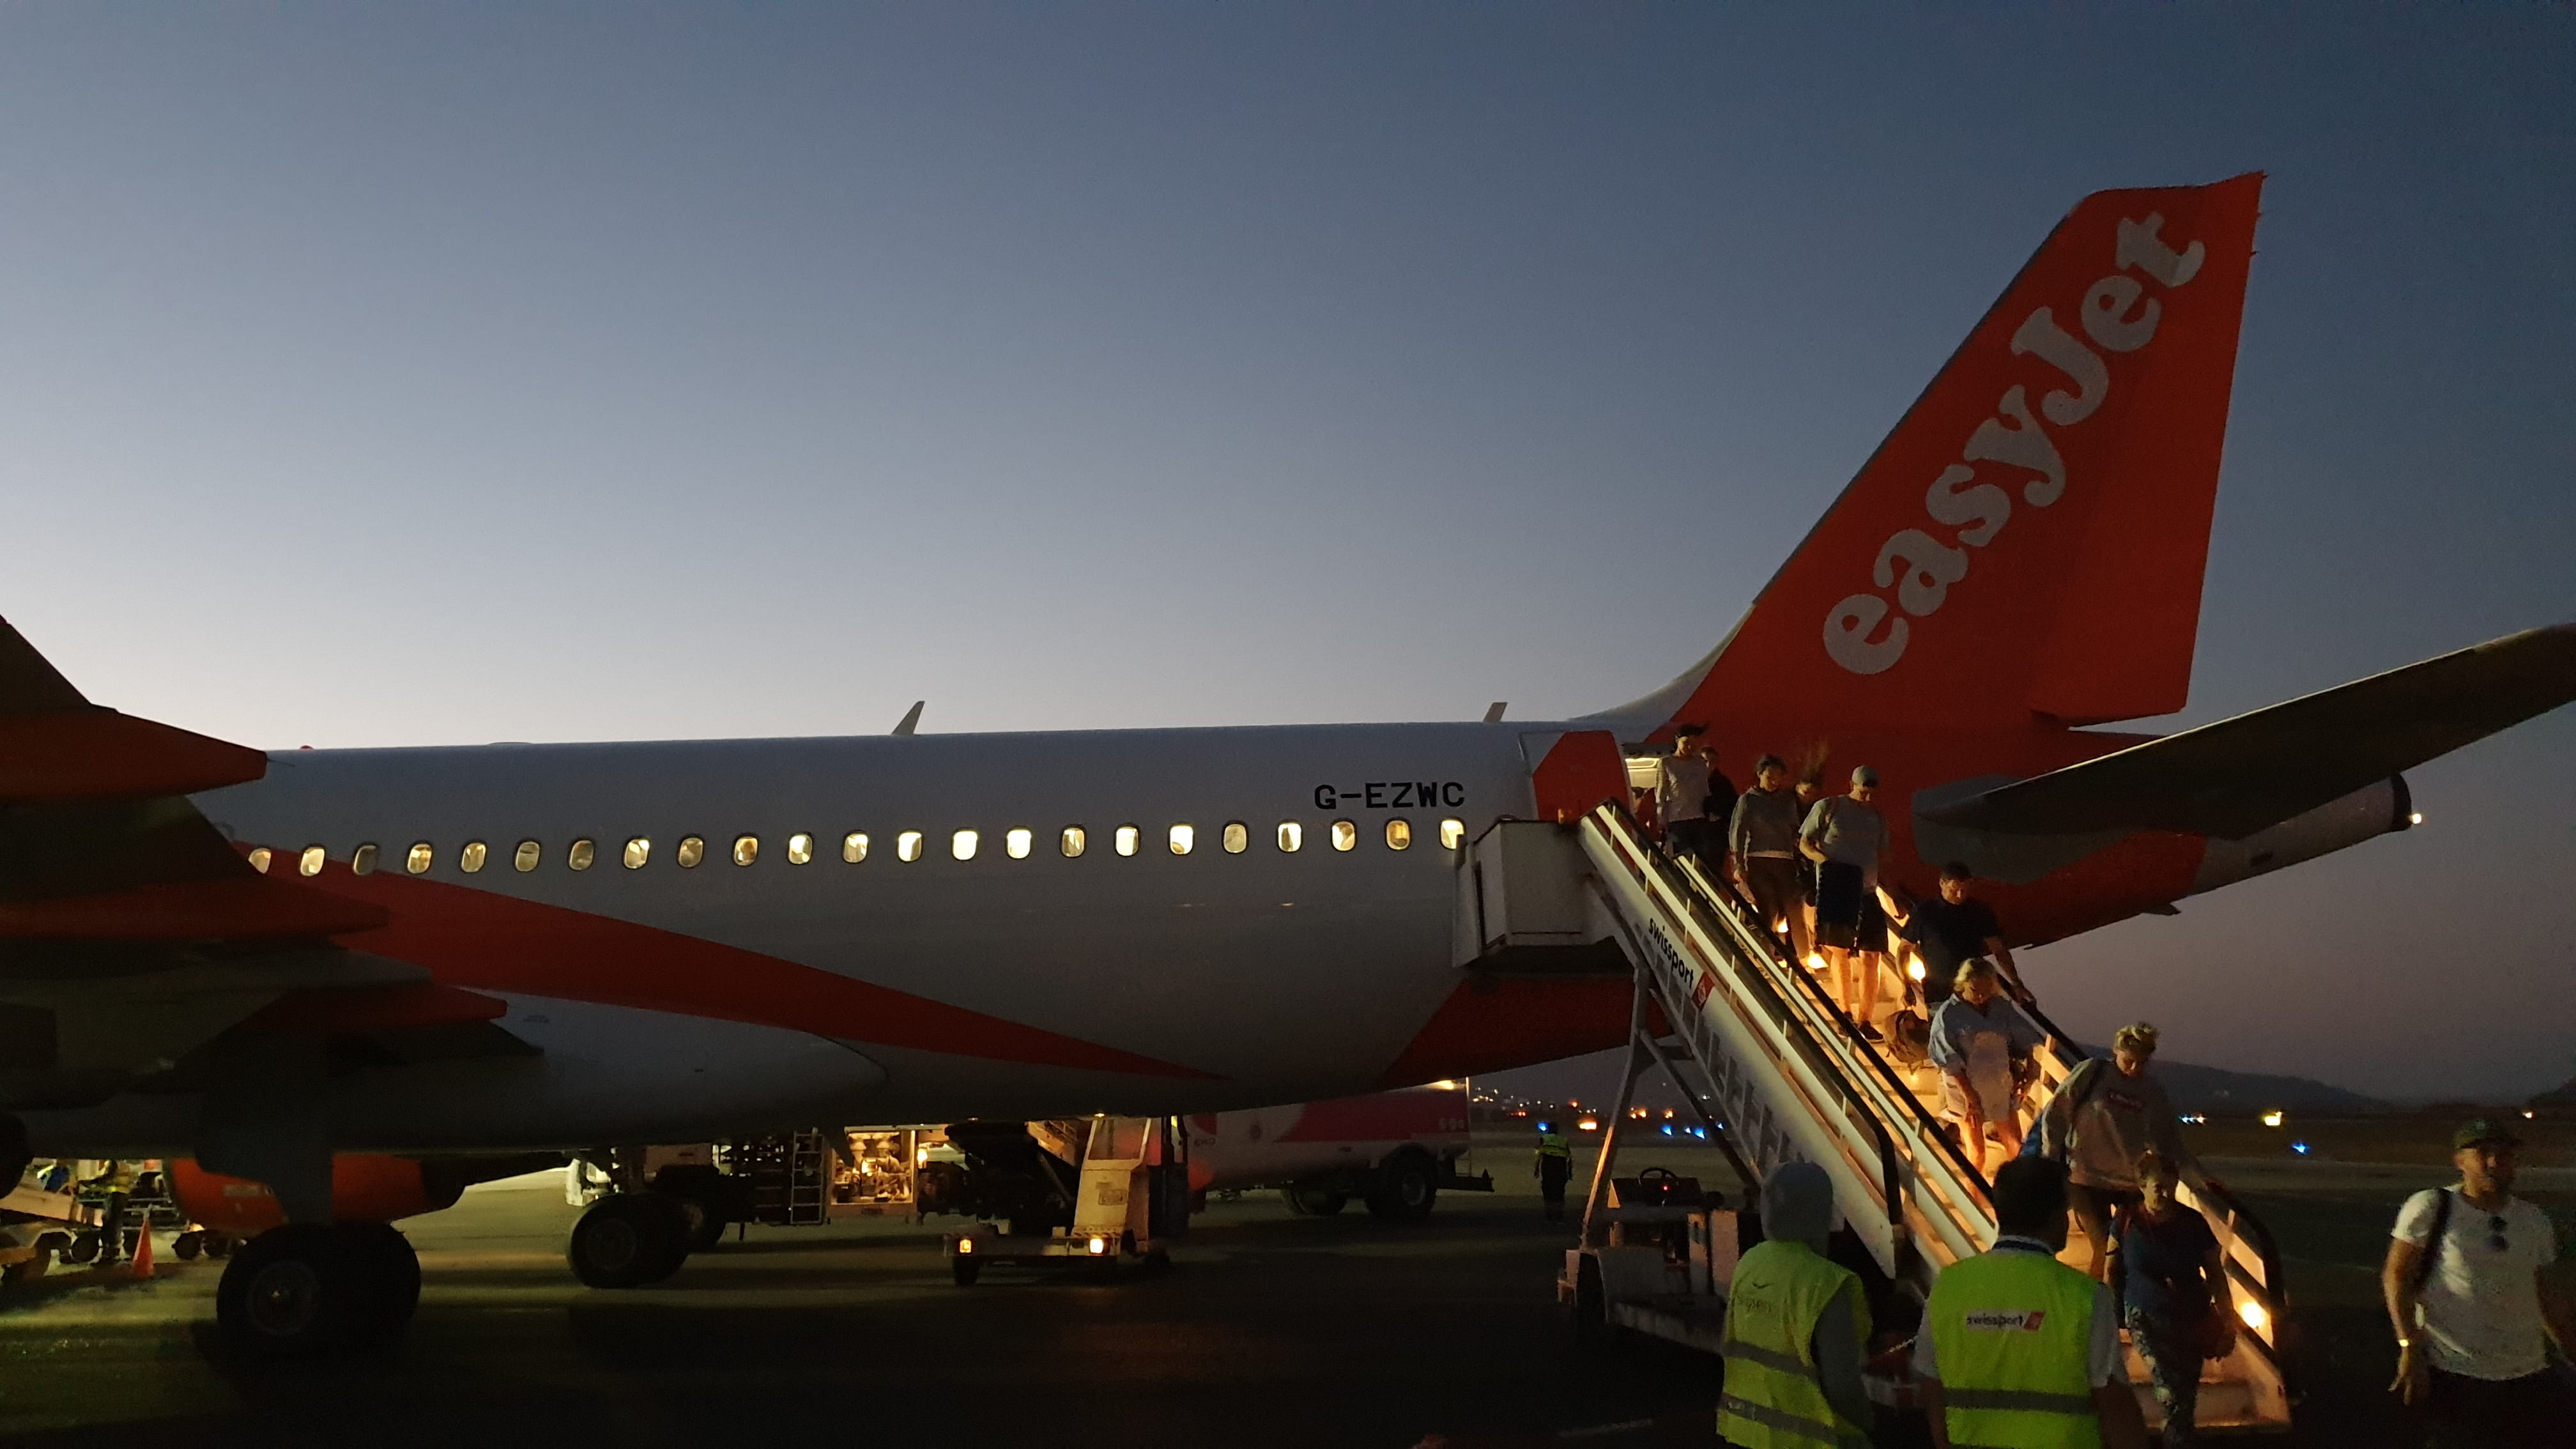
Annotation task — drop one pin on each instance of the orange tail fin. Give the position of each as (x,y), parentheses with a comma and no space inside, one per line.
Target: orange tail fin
(2031,537)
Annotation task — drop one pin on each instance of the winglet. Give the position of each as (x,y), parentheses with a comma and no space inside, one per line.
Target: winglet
(911,718)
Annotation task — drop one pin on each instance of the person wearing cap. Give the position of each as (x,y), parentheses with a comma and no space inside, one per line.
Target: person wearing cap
(2017,1350)
(1796,1327)
(1845,836)
(1762,853)
(2468,1296)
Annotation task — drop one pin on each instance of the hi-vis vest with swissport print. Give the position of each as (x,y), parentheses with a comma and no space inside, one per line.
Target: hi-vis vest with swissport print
(1775,1397)
(2013,1332)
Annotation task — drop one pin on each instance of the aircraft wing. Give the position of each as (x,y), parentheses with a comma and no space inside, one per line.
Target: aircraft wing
(2241,775)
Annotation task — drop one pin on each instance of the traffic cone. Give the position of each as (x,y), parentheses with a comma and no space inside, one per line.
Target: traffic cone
(143,1251)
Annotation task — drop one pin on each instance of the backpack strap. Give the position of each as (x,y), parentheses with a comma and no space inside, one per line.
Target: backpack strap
(2432,1242)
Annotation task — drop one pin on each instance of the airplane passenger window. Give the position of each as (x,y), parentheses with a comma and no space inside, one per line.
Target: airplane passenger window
(470,859)
(526,857)
(311,864)
(581,854)
(1345,835)
(1128,835)
(259,860)
(907,846)
(854,847)
(1292,836)
(800,849)
(1016,844)
(692,850)
(638,851)
(1183,837)
(1399,835)
(420,859)
(746,849)
(962,844)
(363,861)
(1071,842)
(1453,833)
(1237,838)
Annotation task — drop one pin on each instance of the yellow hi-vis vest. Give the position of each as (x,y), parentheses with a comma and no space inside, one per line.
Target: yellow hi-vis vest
(1775,1398)
(1553,1144)
(2012,1330)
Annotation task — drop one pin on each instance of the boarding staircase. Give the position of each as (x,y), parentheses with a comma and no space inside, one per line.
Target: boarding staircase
(1788,1077)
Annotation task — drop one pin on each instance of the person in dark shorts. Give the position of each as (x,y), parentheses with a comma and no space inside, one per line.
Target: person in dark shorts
(2468,1288)
(2171,1283)
(1846,837)
(1953,928)
(1762,851)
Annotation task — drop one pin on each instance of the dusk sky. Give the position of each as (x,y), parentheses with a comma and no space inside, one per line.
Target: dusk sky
(377,374)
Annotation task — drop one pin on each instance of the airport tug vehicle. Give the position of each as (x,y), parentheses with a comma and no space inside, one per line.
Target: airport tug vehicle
(1124,1200)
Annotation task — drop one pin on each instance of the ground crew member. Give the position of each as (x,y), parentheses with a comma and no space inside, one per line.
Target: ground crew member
(2021,1351)
(1795,1328)
(1555,1165)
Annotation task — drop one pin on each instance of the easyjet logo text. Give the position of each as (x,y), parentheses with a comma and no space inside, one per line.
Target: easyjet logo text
(1863,633)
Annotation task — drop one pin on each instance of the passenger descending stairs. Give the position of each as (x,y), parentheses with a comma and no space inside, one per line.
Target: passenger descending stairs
(1791,1080)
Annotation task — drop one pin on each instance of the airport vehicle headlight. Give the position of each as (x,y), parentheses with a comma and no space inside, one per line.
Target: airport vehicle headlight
(1099,1246)
(965,1245)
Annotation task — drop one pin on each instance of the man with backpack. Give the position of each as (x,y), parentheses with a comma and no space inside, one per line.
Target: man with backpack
(2467,1293)
(2104,1115)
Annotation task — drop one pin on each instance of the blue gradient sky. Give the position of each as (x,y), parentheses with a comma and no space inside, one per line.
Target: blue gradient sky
(376,374)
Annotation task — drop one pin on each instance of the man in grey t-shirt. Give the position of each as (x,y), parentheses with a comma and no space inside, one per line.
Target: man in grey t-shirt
(1846,836)
(2474,1309)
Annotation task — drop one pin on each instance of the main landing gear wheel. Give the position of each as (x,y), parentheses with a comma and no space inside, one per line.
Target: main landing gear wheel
(628,1239)
(1317,1202)
(385,1273)
(1405,1190)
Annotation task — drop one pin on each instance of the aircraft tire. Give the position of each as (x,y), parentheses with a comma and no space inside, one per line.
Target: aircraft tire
(1405,1191)
(1309,1200)
(628,1239)
(387,1274)
(292,1292)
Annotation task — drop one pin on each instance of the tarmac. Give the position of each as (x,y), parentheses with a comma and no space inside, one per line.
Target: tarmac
(1269,1329)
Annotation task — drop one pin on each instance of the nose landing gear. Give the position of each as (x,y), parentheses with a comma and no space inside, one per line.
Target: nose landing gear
(304,1288)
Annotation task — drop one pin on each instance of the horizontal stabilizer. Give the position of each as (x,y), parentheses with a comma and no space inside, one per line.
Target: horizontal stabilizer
(2241,775)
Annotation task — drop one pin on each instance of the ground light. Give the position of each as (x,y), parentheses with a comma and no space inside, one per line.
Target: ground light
(1098,1246)
(2272,1119)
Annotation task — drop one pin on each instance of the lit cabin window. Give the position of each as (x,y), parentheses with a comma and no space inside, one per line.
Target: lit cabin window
(525,858)
(420,859)
(310,863)
(1071,842)
(638,852)
(692,850)
(800,849)
(581,853)
(854,847)
(1237,838)
(259,860)
(1345,835)
(907,846)
(746,849)
(1292,836)
(470,859)
(1399,834)
(962,844)
(1016,844)
(1184,837)
(1453,833)
(1128,836)
(363,862)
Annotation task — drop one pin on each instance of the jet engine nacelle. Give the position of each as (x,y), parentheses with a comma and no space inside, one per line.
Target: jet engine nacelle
(2375,809)
(365,1188)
